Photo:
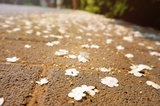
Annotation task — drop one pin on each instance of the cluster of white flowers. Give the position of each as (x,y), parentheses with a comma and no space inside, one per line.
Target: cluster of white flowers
(137,68)
(79,92)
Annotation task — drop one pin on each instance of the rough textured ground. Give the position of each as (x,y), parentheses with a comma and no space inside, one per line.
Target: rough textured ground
(37,26)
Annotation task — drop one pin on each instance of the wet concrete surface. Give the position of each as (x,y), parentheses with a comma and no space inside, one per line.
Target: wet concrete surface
(35,26)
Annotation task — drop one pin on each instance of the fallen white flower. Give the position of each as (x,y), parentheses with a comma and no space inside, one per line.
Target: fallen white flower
(72,72)
(149,47)
(120,47)
(78,37)
(45,31)
(137,34)
(1,101)
(103,69)
(52,43)
(154,53)
(42,81)
(137,68)
(83,57)
(16,29)
(128,38)
(85,46)
(56,36)
(72,56)
(89,40)
(154,85)
(157,43)
(79,92)
(95,46)
(108,41)
(61,52)
(62,30)
(110,81)
(38,33)
(88,34)
(89,89)
(29,31)
(27,46)
(129,55)
(12,59)
(141,44)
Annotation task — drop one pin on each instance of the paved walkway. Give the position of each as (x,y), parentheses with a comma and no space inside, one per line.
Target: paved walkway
(53,57)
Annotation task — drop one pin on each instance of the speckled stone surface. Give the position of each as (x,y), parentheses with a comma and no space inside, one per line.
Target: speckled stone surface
(29,33)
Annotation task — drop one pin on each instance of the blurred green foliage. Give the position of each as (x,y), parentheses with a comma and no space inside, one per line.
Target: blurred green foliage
(110,8)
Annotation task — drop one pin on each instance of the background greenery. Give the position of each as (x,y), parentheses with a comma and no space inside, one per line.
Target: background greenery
(142,12)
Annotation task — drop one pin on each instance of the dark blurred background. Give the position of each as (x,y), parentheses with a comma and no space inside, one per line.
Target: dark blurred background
(142,12)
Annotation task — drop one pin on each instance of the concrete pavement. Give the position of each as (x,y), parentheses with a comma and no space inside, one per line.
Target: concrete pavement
(45,42)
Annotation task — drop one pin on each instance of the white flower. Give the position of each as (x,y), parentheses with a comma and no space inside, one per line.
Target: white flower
(89,40)
(154,53)
(83,57)
(16,29)
(141,44)
(79,92)
(89,89)
(27,46)
(103,69)
(95,46)
(42,81)
(52,43)
(1,101)
(45,31)
(72,56)
(137,34)
(72,72)
(154,85)
(38,33)
(88,34)
(128,38)
(120,47)
(61,52)
(62,30)
(78,37)
(149,47)
(157,43)
(56,36)
(85,46)
(137,68)
(129,55)
(108,41)
(29,31)
(12,59)
(110,81)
